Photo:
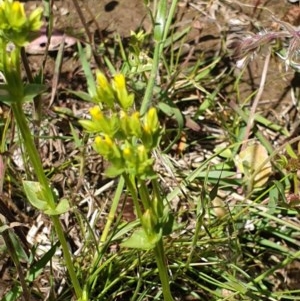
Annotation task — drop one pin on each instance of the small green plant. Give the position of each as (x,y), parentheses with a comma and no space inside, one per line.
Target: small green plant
(126,140)
(233,232)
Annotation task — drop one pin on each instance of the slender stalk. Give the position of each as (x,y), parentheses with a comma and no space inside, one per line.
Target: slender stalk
(37,101)
(67,255)
(31,149)
(38,169)
(159,248)
(113,209)
(162,270)
(256,100)
(132,189)
(151,81)
(143,190)
(165,18)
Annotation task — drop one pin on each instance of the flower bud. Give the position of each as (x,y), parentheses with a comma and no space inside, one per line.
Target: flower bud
(127,153)
(102,146)
(119,82)
(96,113)
(15,26)
(135,125)
(149,222)
(125,100)
(142,154)
(124,123)
(151,123)
(105,93)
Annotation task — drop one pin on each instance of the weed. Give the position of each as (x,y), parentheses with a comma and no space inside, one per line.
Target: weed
(169,186)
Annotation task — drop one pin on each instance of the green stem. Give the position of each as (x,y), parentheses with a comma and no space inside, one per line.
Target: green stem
(67,255)
(37,101)
(163,273)
(131,187)
(146,103)
(145,198)
(32,151)
(161,29)
(39,171)
(113,209)
(159,248)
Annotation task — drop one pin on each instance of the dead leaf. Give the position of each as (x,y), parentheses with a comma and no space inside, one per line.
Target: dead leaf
(252,162)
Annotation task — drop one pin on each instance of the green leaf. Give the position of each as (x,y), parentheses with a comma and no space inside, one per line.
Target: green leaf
(113,171)
(89,125)
(35,194)
(5,95)
(172,111)
(82,95)
(4,228)
(160,21)
(13,294)
(20,252)
(87,71)
(78,142)
(38,267)
(138,240)
(273,200)
(62,207)
(32,90)
(37,198)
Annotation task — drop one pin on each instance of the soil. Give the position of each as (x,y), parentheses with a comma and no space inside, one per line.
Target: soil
(210,27)
(210,31)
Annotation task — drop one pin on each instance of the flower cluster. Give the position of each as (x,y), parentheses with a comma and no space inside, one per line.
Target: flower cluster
(124,138)
(16,31)
(15,26)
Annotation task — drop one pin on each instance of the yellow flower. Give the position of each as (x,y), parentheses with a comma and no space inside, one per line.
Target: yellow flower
(151,120)
(98,140)
(105,93)
(96,113)
(104,146)
(15,25)
(135,124)
(108,141)
(102,81)
(119,82)
(18,10)
(127,152)
(136,115)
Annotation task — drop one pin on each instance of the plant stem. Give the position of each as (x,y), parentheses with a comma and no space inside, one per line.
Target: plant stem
(159,248)
(39,171)
(131,187)
(113,209)
(151,82)
(256,100)
(31,150)
(165,18)
(163,273)
(37,101)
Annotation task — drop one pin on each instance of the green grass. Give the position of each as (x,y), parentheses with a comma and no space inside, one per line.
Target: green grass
(225,237)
